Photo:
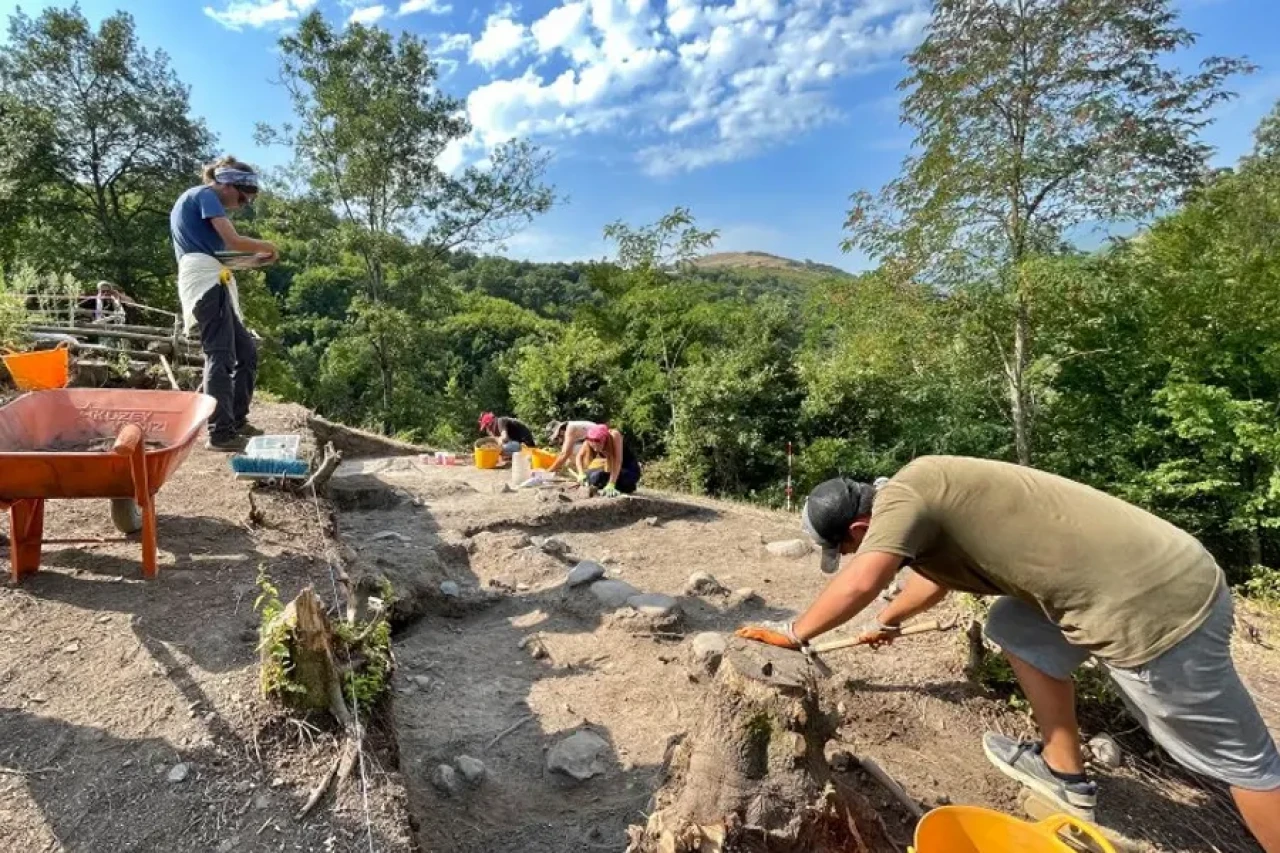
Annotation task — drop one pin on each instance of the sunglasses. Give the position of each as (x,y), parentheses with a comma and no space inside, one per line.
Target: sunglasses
(247,193)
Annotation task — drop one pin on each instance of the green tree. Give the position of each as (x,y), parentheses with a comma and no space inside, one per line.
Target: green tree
(371,128)
(117,140)
(1032,117)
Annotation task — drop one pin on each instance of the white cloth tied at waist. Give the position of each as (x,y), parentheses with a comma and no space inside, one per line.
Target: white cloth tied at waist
(197,275)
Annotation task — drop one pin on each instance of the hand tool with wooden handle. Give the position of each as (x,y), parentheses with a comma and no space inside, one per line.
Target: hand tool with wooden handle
(921,628)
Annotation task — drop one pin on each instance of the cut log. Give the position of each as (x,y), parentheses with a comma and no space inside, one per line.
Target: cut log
(752,775)
(354,443)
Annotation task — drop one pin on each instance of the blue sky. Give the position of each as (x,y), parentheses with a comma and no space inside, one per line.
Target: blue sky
(762,116)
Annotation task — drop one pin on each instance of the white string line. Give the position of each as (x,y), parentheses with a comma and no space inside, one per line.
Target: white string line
(355,704)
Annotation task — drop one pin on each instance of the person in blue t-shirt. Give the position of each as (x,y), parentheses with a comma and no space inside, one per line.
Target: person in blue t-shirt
(207,290)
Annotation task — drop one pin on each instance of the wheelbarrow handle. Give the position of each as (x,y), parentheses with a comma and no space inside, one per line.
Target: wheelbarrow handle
(127,440)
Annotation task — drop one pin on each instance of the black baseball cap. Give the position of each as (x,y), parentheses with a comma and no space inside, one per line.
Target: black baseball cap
(829,510)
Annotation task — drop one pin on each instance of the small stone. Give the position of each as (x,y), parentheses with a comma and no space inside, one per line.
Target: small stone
(579,756)
(1104,750)
(450,589)
(277,782)
(384,535)
(651,521)
(549,545)
(261,801)
(613,593)
(792,549)
(653,604)
(228,845)
(472,769)
(71,648)
(584,573)
(179,773)
(707,650)
(445,779)
(702,583)
(535,646)
(422,681)
(744,597)
(102,618)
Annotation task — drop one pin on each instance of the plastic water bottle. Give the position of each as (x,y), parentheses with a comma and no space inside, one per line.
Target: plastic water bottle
(521,468)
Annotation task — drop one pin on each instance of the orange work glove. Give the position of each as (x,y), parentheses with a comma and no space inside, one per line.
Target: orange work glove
(778,634)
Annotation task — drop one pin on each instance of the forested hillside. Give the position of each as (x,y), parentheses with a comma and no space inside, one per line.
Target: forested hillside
(1149,367)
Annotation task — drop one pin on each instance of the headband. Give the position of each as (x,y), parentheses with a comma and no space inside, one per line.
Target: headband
(239,177)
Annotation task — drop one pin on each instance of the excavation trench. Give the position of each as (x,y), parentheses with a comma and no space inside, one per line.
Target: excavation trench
(588,716)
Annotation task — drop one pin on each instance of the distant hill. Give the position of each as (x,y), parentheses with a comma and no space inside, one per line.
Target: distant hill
(756,274)
(772,263)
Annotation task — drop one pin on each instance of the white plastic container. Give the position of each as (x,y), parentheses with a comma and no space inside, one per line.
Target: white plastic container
(273,447)
(521,468)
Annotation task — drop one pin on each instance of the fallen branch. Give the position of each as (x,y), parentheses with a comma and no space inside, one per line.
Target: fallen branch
(340,769)
(891,785)
(317,481)
(168,371)
(508,730)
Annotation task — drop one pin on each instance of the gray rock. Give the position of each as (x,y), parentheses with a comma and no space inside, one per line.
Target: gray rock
(385,535)
(229,844)
(706,651)
(744,597)
(792,549)
(450,589)
(653,604)
(472,769)
(585,572)
(423,682)
(550,545)
(613,593)
(651,521)
(1105,751)
(179,773)
(261,801)
(446,781)
(702,583)
(579,756)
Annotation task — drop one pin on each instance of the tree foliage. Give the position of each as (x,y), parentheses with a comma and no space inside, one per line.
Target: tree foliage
(104,142)
(1032,117)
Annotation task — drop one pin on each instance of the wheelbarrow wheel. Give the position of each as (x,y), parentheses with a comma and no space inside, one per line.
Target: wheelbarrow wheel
(126,515)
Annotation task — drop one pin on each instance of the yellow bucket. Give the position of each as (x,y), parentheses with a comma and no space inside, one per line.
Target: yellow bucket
(540,459)
(488,457)
(42,370)
(969,829)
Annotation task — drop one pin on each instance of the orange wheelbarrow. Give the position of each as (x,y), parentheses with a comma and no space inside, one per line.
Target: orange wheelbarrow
(92,443)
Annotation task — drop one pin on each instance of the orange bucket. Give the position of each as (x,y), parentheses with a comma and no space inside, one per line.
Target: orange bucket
(42,370)
(540,459)
(488,456)
(969,829)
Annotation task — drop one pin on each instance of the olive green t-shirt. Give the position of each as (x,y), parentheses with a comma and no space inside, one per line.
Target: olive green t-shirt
(1116,579)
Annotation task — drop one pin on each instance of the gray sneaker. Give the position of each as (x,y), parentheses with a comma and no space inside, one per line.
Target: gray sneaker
(1021,761)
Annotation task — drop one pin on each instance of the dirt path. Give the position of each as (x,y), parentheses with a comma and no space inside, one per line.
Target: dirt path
(464,678)
(108,684)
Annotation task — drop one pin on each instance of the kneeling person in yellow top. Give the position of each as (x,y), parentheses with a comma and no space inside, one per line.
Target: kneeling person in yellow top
(1078,573)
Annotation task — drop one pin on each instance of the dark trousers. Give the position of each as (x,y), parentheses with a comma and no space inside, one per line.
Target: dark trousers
(230,361)
(627,480)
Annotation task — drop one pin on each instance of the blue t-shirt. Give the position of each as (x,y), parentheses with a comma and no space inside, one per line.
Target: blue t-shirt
(189,223)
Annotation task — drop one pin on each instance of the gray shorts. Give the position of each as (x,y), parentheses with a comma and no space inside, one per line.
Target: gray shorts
(1190,699)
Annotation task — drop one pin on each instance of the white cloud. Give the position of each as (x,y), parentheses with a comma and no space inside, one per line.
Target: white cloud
(239,14)
(367,15)
(431,7)
(503,39)
(693,83)
(454,43)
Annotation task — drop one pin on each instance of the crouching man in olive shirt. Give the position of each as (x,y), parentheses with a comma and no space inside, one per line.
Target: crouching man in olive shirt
(1078,573)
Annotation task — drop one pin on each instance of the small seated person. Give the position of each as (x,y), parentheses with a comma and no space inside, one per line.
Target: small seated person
(621,471)
(510,433)
(569,436)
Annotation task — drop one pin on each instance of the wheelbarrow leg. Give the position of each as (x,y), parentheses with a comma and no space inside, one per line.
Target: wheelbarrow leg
(26,536)
(149,544)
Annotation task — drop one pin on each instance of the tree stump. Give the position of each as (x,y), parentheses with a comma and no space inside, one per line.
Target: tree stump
(752,775)
(297,657)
